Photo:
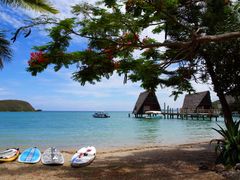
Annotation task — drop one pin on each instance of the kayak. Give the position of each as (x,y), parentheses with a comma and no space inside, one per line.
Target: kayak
(9,155)
(83,156)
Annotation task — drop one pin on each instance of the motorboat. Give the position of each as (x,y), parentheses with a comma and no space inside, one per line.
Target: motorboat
(101,115)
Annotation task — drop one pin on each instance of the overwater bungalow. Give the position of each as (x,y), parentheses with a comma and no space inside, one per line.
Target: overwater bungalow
(233,102)
(147,101)
(197,103)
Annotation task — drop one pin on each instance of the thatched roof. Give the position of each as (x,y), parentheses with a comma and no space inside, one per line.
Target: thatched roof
(147,99)
(230,99)
(194,101)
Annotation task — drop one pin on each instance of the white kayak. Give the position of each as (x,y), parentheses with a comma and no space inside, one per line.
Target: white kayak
(9,155)
(83,156)
(52,156)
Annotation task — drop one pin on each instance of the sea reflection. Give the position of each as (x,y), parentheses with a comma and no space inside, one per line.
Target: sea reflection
(148,130)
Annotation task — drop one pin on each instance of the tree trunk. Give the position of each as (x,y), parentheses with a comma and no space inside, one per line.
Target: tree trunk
(227,114)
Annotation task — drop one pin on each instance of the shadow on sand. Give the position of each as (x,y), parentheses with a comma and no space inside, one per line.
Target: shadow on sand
(182,162)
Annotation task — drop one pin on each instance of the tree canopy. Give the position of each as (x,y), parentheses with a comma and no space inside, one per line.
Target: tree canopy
(201,40)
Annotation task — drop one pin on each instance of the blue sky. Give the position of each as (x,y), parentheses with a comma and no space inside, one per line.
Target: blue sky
(57,91)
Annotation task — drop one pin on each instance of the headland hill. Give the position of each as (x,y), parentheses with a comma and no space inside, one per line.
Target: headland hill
(16,106)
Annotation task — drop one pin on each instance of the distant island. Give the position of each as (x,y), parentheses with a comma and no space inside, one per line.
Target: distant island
(16,106)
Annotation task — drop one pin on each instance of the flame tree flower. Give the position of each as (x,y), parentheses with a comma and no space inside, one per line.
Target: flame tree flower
(37,61)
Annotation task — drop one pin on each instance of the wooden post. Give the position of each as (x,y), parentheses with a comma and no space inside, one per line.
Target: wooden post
(167,111)
(164,111)
(170,111)
(177,113)
(170,116)
(186,114)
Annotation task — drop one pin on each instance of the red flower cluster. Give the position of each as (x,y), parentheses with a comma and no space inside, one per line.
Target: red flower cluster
(36,58)
(130,38)
(109,53)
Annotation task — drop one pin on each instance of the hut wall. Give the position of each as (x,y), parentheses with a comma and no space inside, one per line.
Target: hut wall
(147,101)
(198,102)
(150,103)
(206,102)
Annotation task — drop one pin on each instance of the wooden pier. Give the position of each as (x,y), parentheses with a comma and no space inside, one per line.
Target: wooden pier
(170,113)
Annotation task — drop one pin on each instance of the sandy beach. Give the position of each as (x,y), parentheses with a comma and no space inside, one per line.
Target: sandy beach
(187,161)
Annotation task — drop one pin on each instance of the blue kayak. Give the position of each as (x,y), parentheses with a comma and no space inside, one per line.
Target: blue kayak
(30,155)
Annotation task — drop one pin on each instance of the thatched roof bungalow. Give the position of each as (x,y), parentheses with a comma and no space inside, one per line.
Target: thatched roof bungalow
(233,102)
(198,102)
(147,101)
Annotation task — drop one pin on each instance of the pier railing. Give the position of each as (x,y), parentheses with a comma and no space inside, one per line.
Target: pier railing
(200,111)
(190,113)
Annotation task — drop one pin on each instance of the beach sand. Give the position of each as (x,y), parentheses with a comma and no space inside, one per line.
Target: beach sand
(187,161)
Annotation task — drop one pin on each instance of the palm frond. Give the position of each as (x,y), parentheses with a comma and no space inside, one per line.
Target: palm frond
(37,5)
(5,51)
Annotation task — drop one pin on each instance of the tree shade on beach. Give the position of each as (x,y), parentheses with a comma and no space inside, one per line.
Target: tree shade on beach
(196,33)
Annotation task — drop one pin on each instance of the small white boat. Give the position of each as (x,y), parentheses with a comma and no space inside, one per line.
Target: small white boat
(100,115)
(83,156)
(153,115)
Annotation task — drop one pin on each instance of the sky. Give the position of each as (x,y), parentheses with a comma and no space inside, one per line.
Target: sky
(56,91)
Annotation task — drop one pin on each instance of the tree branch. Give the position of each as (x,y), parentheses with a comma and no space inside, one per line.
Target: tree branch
(195,41)
(219,37)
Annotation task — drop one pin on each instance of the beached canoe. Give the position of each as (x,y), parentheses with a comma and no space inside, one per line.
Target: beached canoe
(52,156)
(30,155)
(83,156)
(9,155)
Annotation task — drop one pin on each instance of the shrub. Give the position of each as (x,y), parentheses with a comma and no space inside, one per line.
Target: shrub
(228,148)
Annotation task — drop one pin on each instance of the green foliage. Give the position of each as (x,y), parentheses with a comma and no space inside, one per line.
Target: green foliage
(5,51)
(115,29)
(228,149)
(225,58)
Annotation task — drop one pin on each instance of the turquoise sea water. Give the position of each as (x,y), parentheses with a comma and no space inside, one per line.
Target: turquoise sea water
(76,129)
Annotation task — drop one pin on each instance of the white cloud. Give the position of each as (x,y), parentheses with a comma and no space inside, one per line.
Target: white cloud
(10,20)
(105,88)
(164,95)
(64,7)
(205,87)
(15,16)
(148,32)
(63,103)
(4,92)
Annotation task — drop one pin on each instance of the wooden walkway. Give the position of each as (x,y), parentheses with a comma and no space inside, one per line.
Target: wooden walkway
(203,114)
